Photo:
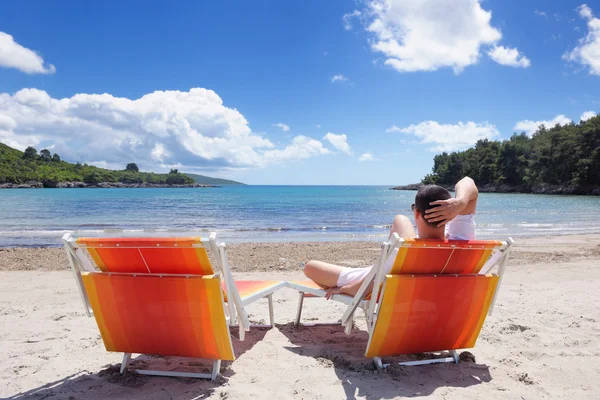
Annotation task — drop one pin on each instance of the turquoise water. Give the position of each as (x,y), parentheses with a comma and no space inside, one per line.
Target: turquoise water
(39,217)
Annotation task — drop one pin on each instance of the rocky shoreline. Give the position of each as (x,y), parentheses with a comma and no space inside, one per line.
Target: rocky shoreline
(105,185)
(537,189)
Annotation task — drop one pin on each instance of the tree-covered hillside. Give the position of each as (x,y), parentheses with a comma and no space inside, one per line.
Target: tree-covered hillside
(566,155)
(21,167)
(207,180)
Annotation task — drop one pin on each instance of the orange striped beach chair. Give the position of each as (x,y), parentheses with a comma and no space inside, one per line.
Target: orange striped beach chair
(161,296)
(434,299)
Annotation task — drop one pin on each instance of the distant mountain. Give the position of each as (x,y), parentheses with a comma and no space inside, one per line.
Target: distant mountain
(207,180)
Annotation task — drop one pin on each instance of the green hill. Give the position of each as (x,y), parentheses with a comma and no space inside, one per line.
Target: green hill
(207,180)
(17,167)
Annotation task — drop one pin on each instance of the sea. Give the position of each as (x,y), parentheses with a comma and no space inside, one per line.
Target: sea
(40,217)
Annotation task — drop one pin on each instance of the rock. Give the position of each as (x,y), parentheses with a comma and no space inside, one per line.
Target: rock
(28,185)
(70,185)
(417,186)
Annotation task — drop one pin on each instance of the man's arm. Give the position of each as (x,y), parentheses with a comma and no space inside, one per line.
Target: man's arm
(467,193)
(464,202)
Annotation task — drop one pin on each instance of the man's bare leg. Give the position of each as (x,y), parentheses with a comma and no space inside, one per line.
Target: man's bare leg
(326,275)
(403,227)
(323,274)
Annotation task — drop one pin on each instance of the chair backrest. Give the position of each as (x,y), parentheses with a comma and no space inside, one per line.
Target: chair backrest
(427,256)
(430,313)
(176,255)
(168,315)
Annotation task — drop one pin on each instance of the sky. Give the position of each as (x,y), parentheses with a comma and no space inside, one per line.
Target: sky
(291,92)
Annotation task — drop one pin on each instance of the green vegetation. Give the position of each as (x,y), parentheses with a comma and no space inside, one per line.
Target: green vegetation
(207,180)
(566,155)
(21,167)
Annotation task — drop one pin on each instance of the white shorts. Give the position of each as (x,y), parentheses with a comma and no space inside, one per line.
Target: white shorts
(351,275)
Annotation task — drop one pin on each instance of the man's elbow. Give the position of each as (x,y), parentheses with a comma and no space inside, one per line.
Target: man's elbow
(467,181)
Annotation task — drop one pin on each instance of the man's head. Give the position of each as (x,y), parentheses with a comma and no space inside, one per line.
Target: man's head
(424,197)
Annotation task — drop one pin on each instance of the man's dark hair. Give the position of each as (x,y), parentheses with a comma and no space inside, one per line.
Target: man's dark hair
(426,195)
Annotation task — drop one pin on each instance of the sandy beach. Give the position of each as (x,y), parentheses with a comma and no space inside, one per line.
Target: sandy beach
(541,341)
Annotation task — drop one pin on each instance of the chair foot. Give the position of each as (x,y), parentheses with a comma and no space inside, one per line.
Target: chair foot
(378,363)
(125,362)
(271,312)
(454,355)
(299,312)
(348,327)
(216,370)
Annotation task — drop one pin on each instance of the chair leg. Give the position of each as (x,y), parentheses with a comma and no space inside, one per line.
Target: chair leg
(299,313)
(216,370)
(454,355)
(241,331)
(271,313)
(232,314)
(125,362)
(378,363)
(348,327)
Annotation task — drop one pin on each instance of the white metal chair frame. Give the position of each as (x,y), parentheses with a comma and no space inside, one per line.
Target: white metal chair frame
(235,304)
(377,276)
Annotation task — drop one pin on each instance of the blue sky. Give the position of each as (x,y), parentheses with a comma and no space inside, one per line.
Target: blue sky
(413,78)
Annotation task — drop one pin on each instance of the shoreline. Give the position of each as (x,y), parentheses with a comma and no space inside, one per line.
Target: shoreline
(288,240)
(288,256)
(562,190)
(102,185)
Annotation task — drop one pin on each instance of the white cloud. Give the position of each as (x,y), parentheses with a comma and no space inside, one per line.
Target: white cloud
(318,126)
(191,130)
(302,147)
(340,142)
(347,19)
(284,127)
(339,78)
(541,13)
(587,52)
(419,35)
(587,115)
(530,127)
(13,55)
(448,137)
(507,56)
(366,157)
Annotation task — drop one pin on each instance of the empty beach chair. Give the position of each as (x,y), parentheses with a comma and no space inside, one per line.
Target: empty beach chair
(161,296)
(435,298)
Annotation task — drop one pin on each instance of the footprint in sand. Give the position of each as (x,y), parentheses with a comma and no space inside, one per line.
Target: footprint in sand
(526,379)
(515,328)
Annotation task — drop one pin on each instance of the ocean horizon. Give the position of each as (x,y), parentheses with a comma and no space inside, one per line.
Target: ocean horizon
(267,213)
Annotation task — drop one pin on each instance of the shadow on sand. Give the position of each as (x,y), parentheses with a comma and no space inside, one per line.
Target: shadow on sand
(330,346)
(108,383)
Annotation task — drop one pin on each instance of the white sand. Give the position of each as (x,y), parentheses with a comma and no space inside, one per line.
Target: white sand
(543,341)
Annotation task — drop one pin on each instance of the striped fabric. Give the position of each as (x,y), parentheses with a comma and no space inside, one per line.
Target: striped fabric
(168,316)
(431,313)
(427,256)
(312,285)
(249,288)
(181,255)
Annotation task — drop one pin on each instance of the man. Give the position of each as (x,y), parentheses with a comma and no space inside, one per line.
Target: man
(437,216)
